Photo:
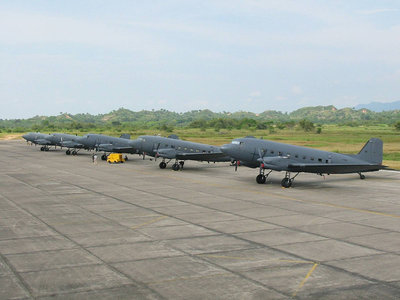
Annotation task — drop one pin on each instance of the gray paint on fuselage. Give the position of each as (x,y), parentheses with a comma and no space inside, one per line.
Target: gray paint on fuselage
(111,143)
(249,151)
(150,144)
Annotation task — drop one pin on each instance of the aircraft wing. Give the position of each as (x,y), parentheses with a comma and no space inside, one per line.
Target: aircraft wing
(71,144)
(333,168)
(43,142)
(216,156)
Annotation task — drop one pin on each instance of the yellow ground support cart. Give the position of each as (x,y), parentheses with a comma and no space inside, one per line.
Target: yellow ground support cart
(115,158)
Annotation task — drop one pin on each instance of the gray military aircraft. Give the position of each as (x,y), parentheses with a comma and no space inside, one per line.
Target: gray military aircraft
(172,148)
(38,138)
(273,156)
(106,143)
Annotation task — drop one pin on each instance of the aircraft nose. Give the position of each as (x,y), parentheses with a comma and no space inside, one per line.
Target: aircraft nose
(25,136)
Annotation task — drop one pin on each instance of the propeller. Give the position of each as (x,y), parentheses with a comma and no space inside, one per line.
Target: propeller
(235,163)
(156,151)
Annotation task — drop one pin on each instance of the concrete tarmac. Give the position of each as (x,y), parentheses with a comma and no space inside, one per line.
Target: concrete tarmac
(71,229)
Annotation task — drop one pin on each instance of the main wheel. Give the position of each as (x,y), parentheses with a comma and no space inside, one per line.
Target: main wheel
(175,167)
(68,152)
(41,148)
(286,182)
(74,152)
(162,165)
(362,176)
(46,149)
(104,157)
(261,178)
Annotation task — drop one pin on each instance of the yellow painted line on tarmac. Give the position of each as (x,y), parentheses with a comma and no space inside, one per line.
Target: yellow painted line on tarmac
(297,261)
(149,222)
(305,279)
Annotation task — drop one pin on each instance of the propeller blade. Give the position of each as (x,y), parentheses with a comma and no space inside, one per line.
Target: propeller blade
(259,153)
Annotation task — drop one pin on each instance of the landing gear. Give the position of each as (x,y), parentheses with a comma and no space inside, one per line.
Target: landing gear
(74,152)
(181,163)
(362,176)
(104,157)
(176,167)
(68,152)
(162,165)
(262,178)
(45,148)
(41,148)
(287,181)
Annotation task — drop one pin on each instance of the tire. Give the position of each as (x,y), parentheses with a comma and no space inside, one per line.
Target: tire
(162,165)
(261,179)
(286,182)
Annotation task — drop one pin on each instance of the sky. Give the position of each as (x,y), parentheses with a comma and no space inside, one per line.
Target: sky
(252,55)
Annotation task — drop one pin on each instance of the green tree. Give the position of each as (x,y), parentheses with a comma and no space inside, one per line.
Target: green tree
(306,125)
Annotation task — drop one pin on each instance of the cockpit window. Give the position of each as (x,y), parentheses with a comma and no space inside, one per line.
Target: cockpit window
(236,142)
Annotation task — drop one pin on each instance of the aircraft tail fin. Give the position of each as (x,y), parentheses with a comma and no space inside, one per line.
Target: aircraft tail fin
(372,151)
(125,136)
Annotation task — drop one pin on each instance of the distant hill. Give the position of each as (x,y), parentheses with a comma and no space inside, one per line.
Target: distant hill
(123,118)
(379,106)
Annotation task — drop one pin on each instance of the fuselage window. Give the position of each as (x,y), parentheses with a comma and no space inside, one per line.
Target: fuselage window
(312,158)
(320,159)
(185,148)
(304,157)
(280,153)
(272,151)
(296,155)
(197,150)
